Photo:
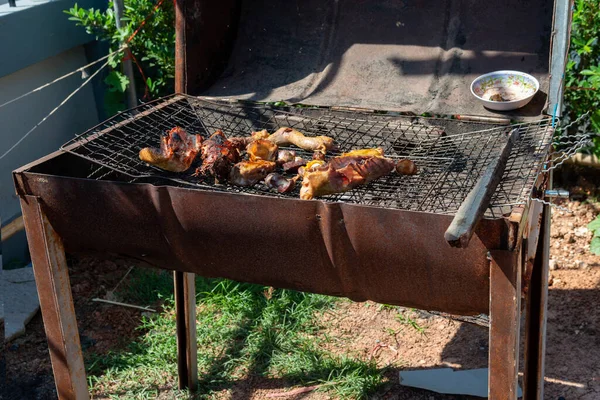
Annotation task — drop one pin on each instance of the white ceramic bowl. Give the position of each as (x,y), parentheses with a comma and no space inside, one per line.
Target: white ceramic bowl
(511,89)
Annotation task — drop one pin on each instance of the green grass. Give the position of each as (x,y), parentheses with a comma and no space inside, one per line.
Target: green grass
(406,319)
(242,332)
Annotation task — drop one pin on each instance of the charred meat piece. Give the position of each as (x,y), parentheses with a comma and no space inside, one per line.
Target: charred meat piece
(285,156)
(176,153)
(318,155)
(285,136)
(242,142)
(248,173)
(280,183)
(260,134)
(377,152)
(314,164)
(310,166)
(406,167)
(262,149)
(342,174)
(403,167)
(218,155)
(294,165)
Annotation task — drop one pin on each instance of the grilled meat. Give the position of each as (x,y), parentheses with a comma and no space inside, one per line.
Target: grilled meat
(310,166)
(218,155)
(377,152)
(342,174)
(285,156)
(280,183)
(285,136)
(293,166)
(260,134)
(176,153)
(318,155)
(406,167)
(262,149)
(242,142)
(248,173)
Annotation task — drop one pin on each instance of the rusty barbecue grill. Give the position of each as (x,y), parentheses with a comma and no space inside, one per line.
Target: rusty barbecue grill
(363,72)
(449,163)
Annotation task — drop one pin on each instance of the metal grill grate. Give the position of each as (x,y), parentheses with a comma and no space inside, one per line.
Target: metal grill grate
(449,163)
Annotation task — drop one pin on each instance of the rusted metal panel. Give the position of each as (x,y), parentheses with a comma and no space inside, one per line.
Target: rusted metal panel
(205,32)
(56,301)
(383,55)
(505,311)
(530,243)
(537,306)
(185,305)
(384,255)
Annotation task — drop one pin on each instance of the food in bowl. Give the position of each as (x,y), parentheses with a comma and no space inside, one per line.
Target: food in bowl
(505,90)
(497,97)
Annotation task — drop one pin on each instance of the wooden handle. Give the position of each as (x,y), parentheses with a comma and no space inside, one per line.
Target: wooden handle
(473,207)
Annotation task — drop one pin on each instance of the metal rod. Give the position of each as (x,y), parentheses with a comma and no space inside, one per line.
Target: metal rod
(505,316)
(537,310)
(557,193)
(182,367)
(473,207)
(117,303)
(185,306)
(478,118)
(127,66)
(56,301)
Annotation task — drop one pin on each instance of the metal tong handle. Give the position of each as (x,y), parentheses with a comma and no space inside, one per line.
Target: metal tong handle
(471,211)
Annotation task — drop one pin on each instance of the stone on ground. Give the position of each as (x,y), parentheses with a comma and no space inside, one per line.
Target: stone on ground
(20,300)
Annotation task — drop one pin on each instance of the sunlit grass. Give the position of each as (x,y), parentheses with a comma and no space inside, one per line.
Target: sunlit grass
(243,331)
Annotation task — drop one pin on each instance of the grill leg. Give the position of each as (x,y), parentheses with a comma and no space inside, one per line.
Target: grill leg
(56,302)
(185,307)
(505,307)
(537,305)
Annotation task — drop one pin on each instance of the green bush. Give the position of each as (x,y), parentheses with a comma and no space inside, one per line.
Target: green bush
(582,83)
(153,47)
(594,226)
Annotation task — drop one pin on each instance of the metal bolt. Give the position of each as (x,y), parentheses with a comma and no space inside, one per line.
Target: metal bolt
(557,193)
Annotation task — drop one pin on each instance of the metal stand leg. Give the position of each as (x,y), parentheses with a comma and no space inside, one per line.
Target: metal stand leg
(505,310)
(537,306)
(185,306)
(56,302)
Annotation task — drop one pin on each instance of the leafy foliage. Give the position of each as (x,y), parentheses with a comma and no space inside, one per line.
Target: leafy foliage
(582,83)
(153,46)
(594,226)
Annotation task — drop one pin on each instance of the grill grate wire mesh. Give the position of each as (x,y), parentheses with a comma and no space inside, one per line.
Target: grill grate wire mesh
(449,164)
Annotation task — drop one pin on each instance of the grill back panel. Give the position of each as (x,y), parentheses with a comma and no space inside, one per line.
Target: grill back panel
(383,55)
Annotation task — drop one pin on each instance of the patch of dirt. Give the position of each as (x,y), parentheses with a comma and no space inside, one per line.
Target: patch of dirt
(101,327)
(415,340)
(570,246)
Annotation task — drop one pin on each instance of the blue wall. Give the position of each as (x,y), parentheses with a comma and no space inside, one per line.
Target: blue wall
(39,44)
